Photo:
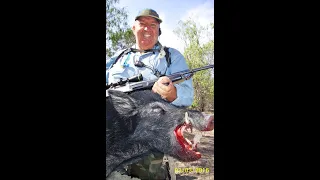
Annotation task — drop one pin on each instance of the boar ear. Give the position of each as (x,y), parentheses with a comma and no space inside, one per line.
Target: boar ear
(157,107)
(122,102)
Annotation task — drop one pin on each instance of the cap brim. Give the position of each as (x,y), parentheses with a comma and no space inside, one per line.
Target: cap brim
(158,19)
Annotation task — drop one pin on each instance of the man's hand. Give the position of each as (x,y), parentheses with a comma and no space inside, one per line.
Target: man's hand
(168,92)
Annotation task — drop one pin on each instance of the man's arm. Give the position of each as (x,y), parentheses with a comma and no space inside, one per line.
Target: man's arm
(178,94)
(109,63)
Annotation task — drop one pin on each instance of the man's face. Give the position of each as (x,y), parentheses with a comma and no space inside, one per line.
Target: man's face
(146,30)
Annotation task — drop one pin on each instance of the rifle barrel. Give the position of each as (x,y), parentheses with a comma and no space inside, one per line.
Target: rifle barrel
(203,68)
(191,71)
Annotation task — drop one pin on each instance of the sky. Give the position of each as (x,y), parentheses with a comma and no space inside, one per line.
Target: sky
(171,11)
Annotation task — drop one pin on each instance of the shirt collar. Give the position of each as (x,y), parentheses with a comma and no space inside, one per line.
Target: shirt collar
(158,45)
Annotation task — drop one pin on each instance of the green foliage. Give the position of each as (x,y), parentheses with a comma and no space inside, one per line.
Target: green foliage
(199,53)
(118,34)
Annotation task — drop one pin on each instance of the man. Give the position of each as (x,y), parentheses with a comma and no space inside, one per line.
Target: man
(149,58)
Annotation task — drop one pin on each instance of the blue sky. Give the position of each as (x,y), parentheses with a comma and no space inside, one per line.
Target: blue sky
(171,11)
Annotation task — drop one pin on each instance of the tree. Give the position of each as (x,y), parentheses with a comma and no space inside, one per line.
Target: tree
(118,34)
(199,51)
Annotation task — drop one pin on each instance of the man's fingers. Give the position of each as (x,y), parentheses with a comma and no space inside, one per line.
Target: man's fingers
(165,88)
(155,87)
(164,80)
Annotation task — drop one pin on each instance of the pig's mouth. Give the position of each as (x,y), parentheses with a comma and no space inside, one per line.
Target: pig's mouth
(187,146)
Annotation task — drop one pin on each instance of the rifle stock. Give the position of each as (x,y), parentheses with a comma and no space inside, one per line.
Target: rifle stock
(127,86)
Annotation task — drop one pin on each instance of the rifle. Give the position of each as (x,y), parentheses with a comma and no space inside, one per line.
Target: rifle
(134,83)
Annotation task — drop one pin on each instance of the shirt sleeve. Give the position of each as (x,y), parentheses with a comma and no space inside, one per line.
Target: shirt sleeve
(185,91)
(109,63)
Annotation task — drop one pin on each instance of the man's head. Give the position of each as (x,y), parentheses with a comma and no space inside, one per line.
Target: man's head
(146,28)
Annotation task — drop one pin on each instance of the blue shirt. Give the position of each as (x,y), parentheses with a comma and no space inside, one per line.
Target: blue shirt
(125,68)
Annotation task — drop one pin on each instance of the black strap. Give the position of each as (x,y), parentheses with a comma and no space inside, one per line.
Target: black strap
(168,56)
(126,51)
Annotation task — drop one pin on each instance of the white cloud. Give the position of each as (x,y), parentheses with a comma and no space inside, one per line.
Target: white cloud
(168,38)
(203,14)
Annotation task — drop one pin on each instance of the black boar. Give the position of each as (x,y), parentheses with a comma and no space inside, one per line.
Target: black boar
(142,122)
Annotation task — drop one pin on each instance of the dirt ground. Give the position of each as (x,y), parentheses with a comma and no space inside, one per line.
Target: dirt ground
(203,169)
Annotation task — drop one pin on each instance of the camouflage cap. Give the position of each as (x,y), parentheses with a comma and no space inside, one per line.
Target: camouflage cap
(150,13)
